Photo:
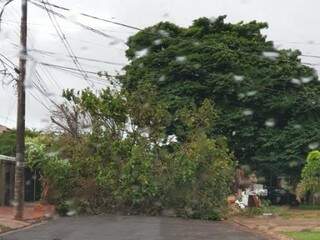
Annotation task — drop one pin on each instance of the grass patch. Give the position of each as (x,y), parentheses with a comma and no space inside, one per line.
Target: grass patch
(309,207)
(305,235)
(4,229)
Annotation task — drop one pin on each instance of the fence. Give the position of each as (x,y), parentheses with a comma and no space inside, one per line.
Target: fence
(7,172)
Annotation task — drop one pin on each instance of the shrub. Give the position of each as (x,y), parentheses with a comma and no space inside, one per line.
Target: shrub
(310,177)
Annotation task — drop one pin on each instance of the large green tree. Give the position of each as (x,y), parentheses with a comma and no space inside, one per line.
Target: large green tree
(267,100)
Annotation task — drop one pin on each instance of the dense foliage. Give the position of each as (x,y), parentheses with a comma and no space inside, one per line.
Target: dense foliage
(124,161)
(310,177)
(8,141)
(267,101)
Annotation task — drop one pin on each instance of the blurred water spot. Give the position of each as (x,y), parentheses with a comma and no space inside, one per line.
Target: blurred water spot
(251,93)
(71,213)
(181,59)
(157,41)
(247,112)
(238,78)
(162,78)
(212,19)
(306,79)
(241,95)
(197,65)
(166,15)
(271,55)
(142,53)
(270,122)
(313,145)
(297,126)
(163,33)
(293,164)
(73,15)
(296,81)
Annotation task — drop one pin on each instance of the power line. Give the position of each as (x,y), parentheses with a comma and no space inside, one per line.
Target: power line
(2,10)
(311,56)
(82,58)
(94,17)
(77,23)
(66,43)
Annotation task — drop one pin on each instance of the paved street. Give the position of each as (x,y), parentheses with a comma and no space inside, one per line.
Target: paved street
(131,228)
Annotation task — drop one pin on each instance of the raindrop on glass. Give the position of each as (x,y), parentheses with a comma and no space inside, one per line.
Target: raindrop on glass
(157,42)
(297,126)
(212,19)
(163,33)
(162,78)
(271,55)
(181,59)
(296,81)
(142,53)
(251,93)
(313,145)
(247,112)
(238,78)
(270,123)
(306,79)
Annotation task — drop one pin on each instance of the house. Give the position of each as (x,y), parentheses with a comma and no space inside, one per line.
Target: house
(3,129)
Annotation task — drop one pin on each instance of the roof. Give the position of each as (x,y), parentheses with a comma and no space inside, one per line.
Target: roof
(3,129)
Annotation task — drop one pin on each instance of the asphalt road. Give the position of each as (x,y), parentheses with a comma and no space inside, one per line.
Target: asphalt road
(131,228)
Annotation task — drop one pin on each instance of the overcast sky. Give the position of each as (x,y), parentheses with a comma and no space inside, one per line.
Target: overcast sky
(292,24)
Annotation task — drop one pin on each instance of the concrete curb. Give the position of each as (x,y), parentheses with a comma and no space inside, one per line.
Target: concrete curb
(32,225)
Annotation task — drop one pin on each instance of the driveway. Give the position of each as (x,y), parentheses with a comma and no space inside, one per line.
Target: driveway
(131,228)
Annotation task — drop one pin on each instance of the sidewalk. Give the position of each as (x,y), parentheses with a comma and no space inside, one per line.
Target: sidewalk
(34,212)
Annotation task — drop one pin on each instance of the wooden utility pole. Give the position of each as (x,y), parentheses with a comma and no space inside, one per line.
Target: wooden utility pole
(21,110)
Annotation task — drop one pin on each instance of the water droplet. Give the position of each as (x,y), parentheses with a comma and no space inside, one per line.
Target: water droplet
(71,213)
(313,145)
(296,81)
(181,59)
(241,95)
(142,53)
(73,15)
(162,78)
(157,42)
(212,19)
(306,79)
(197,65)
(297,126)
(163,33)
(271,55)
(166,15)
(270,123)
(247,112)
(251,93)
(238,78)
(293,164)
(114,42)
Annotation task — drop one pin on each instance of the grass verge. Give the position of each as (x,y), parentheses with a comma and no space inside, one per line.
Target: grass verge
(304,235)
